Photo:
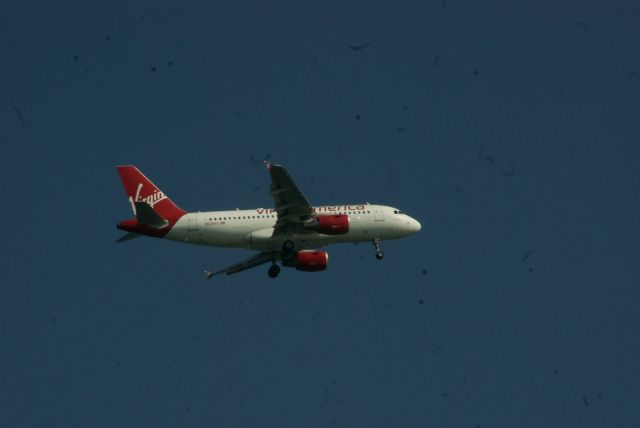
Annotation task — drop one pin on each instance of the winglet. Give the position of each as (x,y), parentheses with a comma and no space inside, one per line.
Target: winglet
(208,274)
(267,164)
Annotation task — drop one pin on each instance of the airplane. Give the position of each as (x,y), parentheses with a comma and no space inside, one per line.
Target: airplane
(289,233)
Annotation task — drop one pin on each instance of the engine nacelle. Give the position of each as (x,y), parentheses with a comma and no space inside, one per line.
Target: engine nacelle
(336,224)
(311,260)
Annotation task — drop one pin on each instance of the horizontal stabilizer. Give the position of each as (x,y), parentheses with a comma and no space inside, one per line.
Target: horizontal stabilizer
(128,237)
(147,216)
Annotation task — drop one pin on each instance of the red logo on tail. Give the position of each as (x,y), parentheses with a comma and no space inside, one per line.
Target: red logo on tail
(140,189)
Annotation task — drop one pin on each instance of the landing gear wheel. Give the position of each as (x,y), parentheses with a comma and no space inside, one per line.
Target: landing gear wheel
(274,270)
(287,246)
(379,253)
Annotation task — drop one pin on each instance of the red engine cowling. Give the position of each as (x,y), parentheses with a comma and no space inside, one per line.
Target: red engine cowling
(312,260)
(336,224)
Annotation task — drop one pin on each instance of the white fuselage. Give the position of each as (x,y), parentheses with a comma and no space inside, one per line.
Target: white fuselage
(253,229)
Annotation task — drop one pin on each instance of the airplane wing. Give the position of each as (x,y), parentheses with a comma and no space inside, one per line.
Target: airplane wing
(292,206)
(257,260)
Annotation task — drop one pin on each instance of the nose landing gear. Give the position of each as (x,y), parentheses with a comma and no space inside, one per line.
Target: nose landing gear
(379,253)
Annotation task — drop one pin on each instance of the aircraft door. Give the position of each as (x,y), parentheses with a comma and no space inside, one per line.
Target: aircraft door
(192,223)
(379,215)
(193,230)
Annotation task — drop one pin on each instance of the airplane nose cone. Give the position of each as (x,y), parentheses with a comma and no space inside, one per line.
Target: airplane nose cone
(413,225)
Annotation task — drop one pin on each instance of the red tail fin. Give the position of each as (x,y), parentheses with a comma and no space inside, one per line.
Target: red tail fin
(140,189)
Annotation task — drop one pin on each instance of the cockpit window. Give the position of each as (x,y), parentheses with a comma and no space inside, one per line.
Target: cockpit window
(396,212)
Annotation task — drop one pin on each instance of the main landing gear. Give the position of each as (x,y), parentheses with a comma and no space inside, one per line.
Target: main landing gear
(274,270)
(287,250)
(379,253)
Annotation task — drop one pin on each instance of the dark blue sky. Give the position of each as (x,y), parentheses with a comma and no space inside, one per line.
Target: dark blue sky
(510,131)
